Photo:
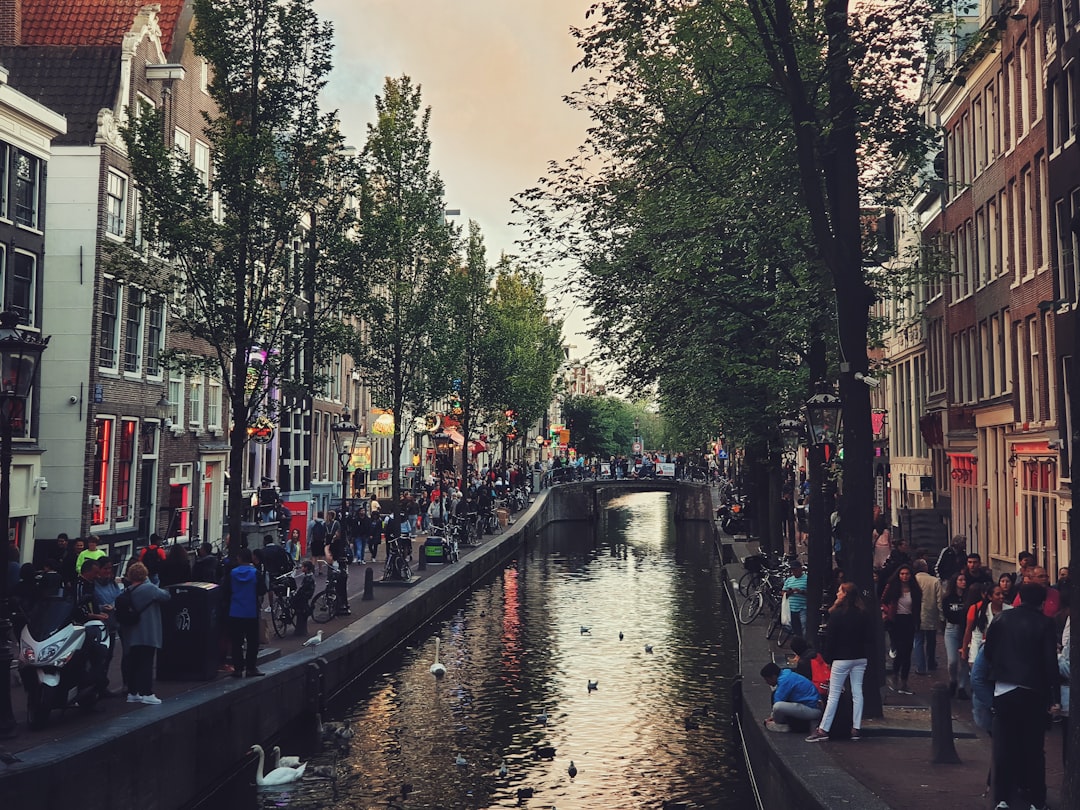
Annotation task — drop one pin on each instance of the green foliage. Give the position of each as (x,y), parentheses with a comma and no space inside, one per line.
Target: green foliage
(405,254)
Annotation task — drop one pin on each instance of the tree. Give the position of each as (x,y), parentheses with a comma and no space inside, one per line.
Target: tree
(522,350)
(470,293)
(405,254)
(230,276)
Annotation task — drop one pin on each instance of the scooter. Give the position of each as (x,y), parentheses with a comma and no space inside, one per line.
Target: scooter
(59,661)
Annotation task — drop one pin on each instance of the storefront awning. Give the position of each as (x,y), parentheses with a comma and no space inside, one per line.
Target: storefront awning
(477,447)
(459,440)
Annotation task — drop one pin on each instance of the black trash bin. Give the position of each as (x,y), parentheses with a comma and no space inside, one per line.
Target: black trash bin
(433,550)
(189,633)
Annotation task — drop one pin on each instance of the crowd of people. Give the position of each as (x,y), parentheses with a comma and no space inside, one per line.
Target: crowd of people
(1006,645)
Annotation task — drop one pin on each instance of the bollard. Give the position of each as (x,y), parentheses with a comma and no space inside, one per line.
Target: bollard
(942,748)
(369,585)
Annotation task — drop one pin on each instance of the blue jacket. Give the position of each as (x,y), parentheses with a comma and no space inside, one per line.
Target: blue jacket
(791,687)
(243,592)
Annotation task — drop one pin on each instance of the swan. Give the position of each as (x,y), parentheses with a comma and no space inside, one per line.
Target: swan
(283,762)
(572,770)
(593,685)
(437,669)
(542,718)
(324,771)
(278,776)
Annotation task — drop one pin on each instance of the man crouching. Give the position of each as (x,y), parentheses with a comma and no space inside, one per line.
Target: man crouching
(795,699)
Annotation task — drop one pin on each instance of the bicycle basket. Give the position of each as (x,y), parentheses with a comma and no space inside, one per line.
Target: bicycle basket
(756,563)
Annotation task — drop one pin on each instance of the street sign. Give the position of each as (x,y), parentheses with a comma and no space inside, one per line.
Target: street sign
(637,447)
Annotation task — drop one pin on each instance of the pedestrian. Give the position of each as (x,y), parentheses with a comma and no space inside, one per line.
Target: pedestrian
(1021,649)
(882,538)
(954,607)
(979,617)
(848,640)
(953,558)
(901,610)
(795,591)
(106,589)
(207,567)
(176,568)
(337,554)
(795,699)
(142,640)
(924,654)
(301,600)
(292,544)
(243,589)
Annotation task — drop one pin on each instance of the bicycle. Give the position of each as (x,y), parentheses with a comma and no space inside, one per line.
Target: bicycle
(282,613)
(324,605)
(776,627)
(397,565)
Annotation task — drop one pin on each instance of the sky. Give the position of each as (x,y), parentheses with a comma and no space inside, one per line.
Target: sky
(494,73)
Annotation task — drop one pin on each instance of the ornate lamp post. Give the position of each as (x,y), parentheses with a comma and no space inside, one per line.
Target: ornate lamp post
(345,432)
(790,433)
(20,353)
(823,412)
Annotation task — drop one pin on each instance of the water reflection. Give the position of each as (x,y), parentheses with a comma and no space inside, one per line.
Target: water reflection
(521,651)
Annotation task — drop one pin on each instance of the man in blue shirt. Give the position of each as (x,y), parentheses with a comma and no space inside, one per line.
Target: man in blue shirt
(795,698)
(795,589)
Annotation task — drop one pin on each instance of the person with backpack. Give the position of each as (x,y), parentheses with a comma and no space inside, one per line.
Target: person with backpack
(153,556)
(142,638)
(317,536)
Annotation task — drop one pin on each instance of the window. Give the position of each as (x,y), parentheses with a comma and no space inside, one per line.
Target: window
(5,156)
(176,398)
(101,474)
(21,285)
(1024,80)
(213,405)
(1027,222)
(980,135)
(202,162)
(1040,60)
(195,402)
(133,331)
(109,333)
(27,188)
(1035,372)
(125,469)
(1043,209)
(155,337)
(116,205)
(204,76)
(182,142)
(1007,106)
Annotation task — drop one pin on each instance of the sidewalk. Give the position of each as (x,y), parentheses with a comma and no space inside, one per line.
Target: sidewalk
(893,760)
(76,720)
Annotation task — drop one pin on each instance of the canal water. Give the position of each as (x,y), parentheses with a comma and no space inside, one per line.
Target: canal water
(609,647)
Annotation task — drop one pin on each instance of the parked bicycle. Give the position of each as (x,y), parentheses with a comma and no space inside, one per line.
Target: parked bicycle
(282,612)
(324,605)
(397,563)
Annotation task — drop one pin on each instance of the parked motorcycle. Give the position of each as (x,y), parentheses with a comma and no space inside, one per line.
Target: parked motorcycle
(60,662)
(732,516)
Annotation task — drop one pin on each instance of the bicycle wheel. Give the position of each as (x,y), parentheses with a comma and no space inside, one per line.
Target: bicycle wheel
(280,616)
(323,607)
(783,636)
(749,582)
(404,571)
(751,607)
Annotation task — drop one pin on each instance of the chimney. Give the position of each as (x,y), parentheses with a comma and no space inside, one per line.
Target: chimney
(10,22)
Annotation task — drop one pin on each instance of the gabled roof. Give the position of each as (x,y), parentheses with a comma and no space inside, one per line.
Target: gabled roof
(75,82)
(92,22)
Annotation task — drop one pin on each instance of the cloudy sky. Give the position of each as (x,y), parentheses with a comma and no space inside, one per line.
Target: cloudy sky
(493,72)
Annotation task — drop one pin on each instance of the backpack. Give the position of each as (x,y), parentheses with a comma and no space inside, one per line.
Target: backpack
(152,557)
(124,609)
(820,673)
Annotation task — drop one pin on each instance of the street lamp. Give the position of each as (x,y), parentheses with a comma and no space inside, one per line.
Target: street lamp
(20,353)
(790,433)
(823,412)
(345,432)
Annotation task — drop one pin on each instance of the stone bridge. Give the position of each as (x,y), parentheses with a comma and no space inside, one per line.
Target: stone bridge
(585,499)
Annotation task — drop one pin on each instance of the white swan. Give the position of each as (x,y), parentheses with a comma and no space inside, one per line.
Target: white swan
(279,761)
(278,776)
(437,669)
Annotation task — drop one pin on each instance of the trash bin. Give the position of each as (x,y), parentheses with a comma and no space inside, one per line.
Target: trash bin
(189,632)
(433,550)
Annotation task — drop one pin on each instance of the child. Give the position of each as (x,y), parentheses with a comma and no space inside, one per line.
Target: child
(302,597)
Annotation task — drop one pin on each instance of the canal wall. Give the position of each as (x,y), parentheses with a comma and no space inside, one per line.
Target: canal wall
(169,756)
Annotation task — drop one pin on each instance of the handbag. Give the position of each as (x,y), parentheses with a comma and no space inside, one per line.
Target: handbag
(785,612)
(888,611)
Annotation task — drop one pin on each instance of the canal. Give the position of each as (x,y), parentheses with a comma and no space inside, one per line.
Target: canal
(609,647)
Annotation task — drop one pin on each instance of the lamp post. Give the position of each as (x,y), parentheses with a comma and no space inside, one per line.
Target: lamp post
(823,412)
(345,432)
(20,353)
(790,431)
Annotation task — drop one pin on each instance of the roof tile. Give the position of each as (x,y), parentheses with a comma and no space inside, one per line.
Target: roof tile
(91,22)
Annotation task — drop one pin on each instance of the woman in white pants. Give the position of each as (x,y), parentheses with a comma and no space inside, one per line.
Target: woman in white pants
(848,640)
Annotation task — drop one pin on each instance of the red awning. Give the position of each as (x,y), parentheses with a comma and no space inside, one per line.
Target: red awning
(459,440)
(476,447)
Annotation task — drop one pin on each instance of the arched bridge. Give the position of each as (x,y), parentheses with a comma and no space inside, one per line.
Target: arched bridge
(584,499)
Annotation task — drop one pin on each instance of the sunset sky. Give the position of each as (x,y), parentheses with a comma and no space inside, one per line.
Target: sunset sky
(494,73)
